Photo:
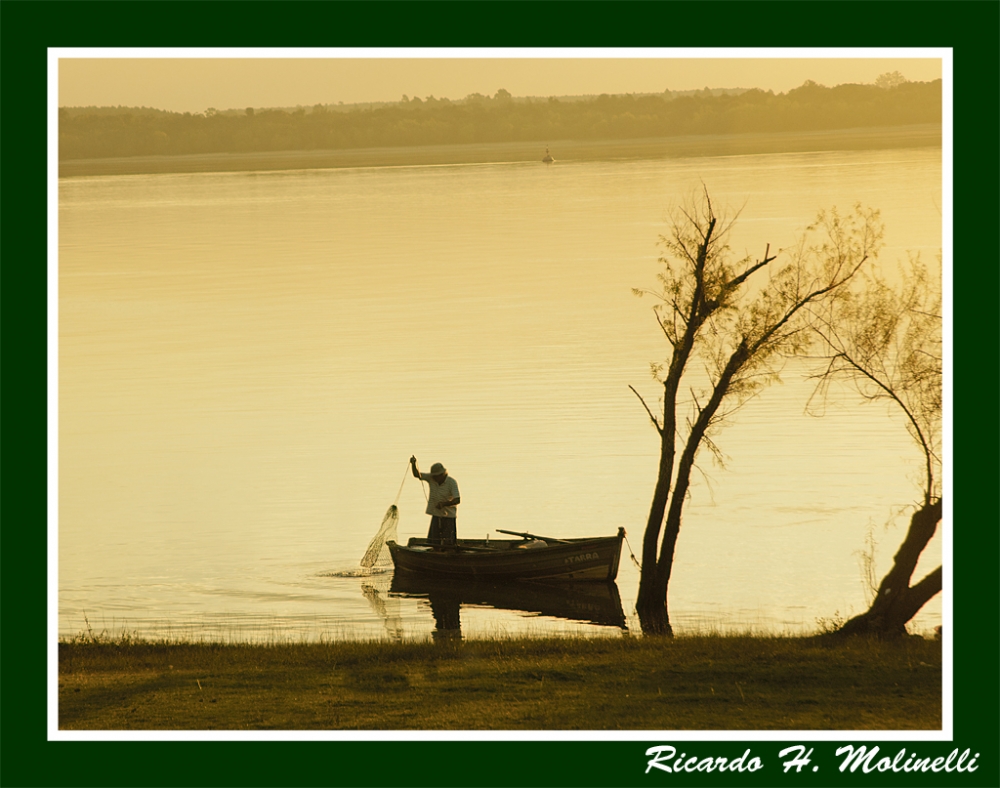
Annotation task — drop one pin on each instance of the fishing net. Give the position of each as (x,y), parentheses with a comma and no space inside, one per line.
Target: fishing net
(377,557)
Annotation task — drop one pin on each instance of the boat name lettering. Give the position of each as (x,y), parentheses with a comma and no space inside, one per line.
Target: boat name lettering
(576,559)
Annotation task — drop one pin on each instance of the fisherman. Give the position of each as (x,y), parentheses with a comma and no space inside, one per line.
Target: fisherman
(441,503)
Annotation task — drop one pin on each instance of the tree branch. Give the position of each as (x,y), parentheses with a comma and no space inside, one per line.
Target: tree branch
(802,302)
(920,594)
(734,283)
(663,328)
(656,424)
(891,393)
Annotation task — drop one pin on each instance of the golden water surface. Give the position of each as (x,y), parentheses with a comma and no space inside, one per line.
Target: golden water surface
(247,361)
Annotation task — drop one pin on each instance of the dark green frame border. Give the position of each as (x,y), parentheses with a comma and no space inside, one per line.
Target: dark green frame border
(27,28)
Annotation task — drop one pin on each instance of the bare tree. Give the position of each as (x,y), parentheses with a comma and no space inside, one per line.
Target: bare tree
(729,325)
(885,342)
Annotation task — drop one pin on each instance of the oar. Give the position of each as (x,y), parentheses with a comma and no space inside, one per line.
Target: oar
(533,536)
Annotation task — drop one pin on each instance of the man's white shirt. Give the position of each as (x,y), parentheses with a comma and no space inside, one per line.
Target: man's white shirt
(441,492)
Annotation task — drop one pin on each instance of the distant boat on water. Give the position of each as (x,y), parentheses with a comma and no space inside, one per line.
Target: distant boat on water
(548,159)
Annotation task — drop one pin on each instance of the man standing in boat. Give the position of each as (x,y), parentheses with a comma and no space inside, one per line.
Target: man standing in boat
(441,502)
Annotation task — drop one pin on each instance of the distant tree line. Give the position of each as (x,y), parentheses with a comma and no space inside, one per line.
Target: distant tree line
(104,132)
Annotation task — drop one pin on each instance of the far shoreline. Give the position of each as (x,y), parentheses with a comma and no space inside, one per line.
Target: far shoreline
(876,138)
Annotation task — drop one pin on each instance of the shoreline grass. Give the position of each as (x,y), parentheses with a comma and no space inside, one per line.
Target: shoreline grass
(876,138)
(629,683)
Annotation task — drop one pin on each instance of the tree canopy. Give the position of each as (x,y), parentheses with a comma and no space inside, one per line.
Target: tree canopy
(728,325)
(886,342)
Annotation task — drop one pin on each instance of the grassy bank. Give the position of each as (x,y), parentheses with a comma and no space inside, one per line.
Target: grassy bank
(563,151)
(717,683)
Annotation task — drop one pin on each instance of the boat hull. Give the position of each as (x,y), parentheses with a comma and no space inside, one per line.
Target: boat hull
(576,560)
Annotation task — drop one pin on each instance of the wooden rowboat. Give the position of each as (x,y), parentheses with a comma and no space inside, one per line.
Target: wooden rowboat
(528,558)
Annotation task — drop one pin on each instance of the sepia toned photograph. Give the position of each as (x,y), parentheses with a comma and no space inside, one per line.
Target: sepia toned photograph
(508,394)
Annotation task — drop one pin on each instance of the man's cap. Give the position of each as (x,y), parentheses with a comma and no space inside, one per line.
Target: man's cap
(437,469)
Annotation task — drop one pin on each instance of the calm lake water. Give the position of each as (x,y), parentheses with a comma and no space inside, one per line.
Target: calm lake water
(248,360)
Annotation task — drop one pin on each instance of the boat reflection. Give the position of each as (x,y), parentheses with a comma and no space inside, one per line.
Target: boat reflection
(589,603)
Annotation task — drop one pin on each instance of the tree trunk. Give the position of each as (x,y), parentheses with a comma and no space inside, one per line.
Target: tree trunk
(651,602)
(652,605)
(651,595)
(654,619)
(896,601)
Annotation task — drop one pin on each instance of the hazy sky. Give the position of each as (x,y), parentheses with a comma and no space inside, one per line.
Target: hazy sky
(193,85)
